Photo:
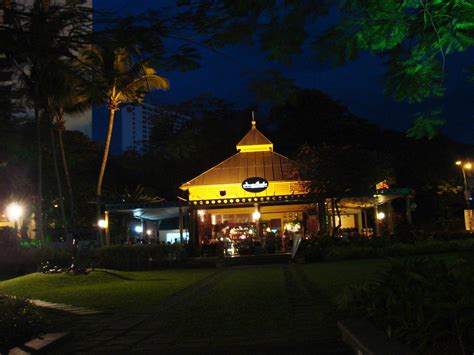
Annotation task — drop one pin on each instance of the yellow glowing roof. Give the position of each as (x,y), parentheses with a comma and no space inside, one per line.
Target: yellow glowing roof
(242,165)
(254,141)
(255,157)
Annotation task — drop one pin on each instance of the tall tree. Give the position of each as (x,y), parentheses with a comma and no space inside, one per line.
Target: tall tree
(414,38)
(34,36)
(341,171)
(117,77)
(64,94)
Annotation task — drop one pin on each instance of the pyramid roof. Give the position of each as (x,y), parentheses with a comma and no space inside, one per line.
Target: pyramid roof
(255,157)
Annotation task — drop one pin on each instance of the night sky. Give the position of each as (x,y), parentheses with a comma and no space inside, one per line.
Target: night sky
(358,85)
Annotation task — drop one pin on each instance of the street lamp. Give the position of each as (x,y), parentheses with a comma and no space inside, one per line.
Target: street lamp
(465,166)
(256,215)
(14,212)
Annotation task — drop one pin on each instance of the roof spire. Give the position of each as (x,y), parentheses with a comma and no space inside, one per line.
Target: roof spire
(253,119)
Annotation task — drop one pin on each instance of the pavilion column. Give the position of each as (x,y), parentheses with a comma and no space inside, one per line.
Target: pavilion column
(180,224)
(304,226)
(390,217)
(408,209)
(333,215)
(359,221)
(143,225)
(107,229)
(193,228)
(366,222)
(322,217)
(377,223)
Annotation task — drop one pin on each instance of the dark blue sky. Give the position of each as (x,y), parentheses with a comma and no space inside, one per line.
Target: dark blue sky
(357,85)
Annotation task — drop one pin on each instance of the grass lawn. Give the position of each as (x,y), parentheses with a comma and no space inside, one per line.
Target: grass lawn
(238,295)
(104,289)
(249,303)
(334,275)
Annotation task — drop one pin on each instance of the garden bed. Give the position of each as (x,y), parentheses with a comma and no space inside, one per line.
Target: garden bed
(19,322)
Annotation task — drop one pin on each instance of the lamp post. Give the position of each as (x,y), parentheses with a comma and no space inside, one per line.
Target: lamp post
(467,194)
(256,218)
(14,212)
(103,225)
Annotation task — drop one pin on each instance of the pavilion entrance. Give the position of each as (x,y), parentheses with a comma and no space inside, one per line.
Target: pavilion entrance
(251,230)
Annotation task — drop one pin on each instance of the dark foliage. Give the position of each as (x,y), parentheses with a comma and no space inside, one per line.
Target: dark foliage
(19,322)
(328,248)
(135,257)
(426,303)
(414,38)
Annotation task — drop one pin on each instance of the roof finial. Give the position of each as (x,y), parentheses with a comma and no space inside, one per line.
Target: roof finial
(253,119)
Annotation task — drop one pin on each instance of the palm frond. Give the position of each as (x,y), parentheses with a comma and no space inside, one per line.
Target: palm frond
(143,84)
(122,61)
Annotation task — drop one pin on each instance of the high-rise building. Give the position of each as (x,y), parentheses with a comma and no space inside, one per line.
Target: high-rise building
(6,83)
(133,126)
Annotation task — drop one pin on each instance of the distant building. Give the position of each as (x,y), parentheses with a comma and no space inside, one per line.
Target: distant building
(6,81)
(133,126)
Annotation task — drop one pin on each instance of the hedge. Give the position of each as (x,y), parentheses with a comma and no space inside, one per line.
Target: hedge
(315,250)
(139,257)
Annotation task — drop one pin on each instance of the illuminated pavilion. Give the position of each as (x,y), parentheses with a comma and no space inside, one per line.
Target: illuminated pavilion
(256,193)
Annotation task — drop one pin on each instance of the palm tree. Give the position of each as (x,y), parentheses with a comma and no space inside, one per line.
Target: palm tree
(33,35)
(117,78)
(64,95)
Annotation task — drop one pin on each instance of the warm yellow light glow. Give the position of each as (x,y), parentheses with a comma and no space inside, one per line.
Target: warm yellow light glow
(292,227)
(468,166)
(102,223)
(201,213)
(213,220)
(255,148)
(256,215)
(380,215)
(149,231)
(268,229)
(14,211)
(458,162)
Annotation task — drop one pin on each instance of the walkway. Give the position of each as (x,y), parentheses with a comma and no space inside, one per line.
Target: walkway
(221,313)
(80,311)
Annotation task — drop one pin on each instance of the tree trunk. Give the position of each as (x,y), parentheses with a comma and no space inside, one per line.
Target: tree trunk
(39,188)
(338,212)
(58,182)
(103,165)
(322,215)
(333,218)
(68,179)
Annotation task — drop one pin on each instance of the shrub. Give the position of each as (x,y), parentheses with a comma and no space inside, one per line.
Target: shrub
(271,243)
(399,249)
(19,260)
(311,250)
(425,303)
(19,321)
(56,257)
(314,250)
(139,257)
(350,252)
